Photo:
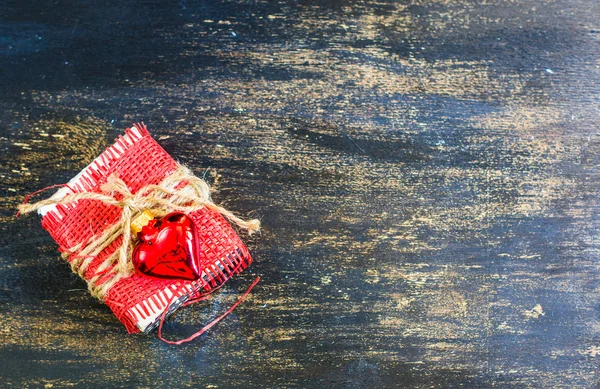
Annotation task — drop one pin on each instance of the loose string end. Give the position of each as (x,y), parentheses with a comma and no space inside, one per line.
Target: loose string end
(253,226)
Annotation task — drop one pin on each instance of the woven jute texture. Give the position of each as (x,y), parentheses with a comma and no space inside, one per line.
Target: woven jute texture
(139,160)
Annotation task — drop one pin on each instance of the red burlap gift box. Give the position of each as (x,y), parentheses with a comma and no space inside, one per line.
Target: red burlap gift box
(139,301)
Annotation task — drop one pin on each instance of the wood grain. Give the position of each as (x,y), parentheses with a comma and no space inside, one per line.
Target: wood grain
(426,173)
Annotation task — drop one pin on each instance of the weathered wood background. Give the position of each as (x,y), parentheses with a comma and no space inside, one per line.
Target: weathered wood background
(426,173)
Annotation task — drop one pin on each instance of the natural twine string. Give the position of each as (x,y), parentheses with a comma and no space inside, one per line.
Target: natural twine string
(192,194)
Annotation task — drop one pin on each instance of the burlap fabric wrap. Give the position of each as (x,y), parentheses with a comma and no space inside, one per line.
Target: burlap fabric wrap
(180,191)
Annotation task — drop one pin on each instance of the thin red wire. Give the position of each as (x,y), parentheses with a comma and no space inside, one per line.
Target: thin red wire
(38,192)
(209,325)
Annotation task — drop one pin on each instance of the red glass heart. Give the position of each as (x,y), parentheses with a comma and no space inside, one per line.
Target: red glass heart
(167,248)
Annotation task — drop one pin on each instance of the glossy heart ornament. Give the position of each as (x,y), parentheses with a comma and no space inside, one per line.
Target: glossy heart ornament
(167,248)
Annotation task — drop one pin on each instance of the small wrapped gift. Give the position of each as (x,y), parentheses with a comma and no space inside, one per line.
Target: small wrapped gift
(142,231)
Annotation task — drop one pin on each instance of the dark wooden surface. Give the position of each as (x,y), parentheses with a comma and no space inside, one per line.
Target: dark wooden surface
(426,173)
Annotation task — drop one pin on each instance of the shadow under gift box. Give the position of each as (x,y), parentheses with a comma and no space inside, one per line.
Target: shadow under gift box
(139,301)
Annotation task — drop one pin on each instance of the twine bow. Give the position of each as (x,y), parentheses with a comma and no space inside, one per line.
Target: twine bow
(181,191)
